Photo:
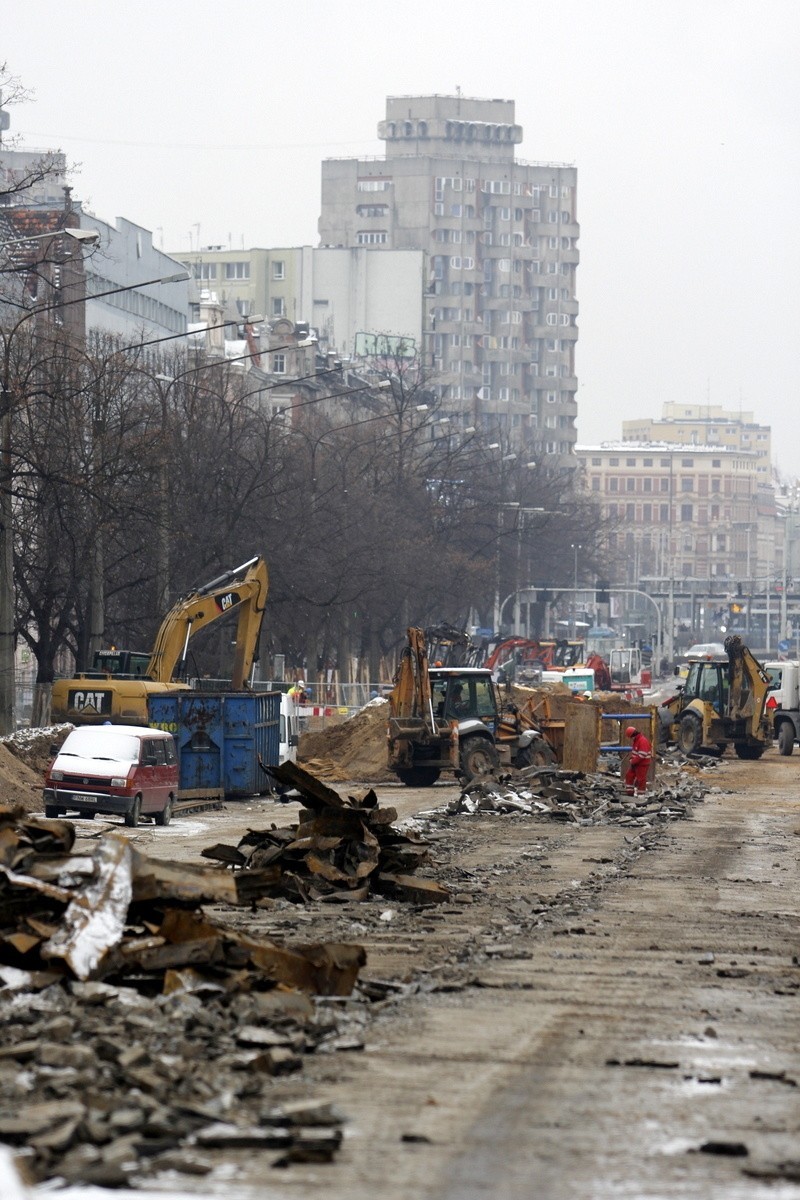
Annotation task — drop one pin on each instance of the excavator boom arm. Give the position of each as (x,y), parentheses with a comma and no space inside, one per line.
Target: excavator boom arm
(245,588)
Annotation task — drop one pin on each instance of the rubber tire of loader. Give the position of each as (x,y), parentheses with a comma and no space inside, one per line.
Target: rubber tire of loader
(538,753)
(418,776)
(786,738)
(690,735)
(477,756)
(748,752)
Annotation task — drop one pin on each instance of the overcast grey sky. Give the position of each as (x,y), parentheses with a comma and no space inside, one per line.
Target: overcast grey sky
(206,122)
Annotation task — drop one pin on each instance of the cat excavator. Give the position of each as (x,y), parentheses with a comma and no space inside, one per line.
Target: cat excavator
(117,687)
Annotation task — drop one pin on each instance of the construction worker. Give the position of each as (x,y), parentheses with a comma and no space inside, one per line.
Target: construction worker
(641,757)
(298,692)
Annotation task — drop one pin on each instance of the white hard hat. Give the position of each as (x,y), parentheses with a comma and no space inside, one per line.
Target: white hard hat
(301,683)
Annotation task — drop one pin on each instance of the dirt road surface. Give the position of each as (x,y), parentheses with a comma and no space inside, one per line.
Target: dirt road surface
(600,1012)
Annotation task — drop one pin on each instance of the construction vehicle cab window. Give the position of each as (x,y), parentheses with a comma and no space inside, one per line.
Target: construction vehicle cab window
(457,696)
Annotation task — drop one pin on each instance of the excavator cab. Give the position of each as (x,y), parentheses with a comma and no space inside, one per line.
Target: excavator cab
(132,664)
(708,681)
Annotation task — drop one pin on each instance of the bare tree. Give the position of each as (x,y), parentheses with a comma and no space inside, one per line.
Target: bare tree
(18,179)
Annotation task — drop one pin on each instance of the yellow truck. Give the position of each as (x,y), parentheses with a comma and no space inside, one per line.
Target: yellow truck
(118,685)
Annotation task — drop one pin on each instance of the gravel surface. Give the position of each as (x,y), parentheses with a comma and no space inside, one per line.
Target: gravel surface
(601,1010)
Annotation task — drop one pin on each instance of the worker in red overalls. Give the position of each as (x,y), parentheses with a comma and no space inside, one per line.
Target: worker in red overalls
(641,756)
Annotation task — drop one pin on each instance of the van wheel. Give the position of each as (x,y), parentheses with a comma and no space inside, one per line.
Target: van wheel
(50,810)
(165,816)
(786,738)
(135,812)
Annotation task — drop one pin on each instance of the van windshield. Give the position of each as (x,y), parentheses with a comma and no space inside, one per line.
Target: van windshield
(91,743)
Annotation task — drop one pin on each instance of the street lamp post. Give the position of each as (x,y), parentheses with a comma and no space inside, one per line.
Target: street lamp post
(575,546)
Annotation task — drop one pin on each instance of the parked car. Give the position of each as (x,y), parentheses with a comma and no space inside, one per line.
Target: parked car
(783,702)
(706,650)
(128,770)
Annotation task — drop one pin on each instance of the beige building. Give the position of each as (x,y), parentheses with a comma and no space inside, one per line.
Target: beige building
(707,425)
(678,512)
(500,235)
(343,294)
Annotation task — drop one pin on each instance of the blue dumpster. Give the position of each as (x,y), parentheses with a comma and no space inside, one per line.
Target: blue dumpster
(219,738)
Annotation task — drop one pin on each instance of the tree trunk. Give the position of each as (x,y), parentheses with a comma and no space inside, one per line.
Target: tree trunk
(41,711)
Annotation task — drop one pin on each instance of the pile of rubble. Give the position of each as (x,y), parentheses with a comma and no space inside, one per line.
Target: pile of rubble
(137,1034)
(583,799)
(339,850)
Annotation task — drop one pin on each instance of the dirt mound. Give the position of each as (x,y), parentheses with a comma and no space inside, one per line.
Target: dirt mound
(24,757)
(19,784)
(356,749)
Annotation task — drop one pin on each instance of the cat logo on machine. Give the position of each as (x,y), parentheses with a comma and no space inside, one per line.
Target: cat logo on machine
(88,701)
(229,600)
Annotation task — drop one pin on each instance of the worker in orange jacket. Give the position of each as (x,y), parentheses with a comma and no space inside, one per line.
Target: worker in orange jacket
(641,757)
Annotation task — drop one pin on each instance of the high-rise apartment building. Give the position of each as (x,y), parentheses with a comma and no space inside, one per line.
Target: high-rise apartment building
(501,238)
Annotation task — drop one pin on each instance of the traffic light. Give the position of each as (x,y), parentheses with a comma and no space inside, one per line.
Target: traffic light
(601,595)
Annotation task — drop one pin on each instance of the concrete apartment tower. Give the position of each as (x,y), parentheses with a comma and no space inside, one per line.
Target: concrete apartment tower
(501,237)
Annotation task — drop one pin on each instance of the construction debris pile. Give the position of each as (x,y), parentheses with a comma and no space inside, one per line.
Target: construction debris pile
(137,1035)
(583,799)
(341,850)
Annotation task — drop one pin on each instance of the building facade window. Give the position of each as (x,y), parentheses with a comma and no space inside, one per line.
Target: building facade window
(237,270)
(278,270)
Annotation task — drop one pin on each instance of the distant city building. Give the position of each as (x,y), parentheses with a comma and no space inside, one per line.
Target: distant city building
(680,512)
(124,257)
(501,239)
(706,425)
(341,293)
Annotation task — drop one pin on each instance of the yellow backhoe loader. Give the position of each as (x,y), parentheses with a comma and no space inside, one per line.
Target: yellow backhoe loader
(451,719)
(721,703)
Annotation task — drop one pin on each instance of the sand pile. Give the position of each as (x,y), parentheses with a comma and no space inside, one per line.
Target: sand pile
(24,757)
(356,749)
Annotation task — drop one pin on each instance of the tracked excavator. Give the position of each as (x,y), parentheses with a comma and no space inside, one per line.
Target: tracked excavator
(118,685)
(450,719)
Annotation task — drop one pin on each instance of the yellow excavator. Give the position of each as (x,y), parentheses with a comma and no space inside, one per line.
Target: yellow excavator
(117,687)
(721,703)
